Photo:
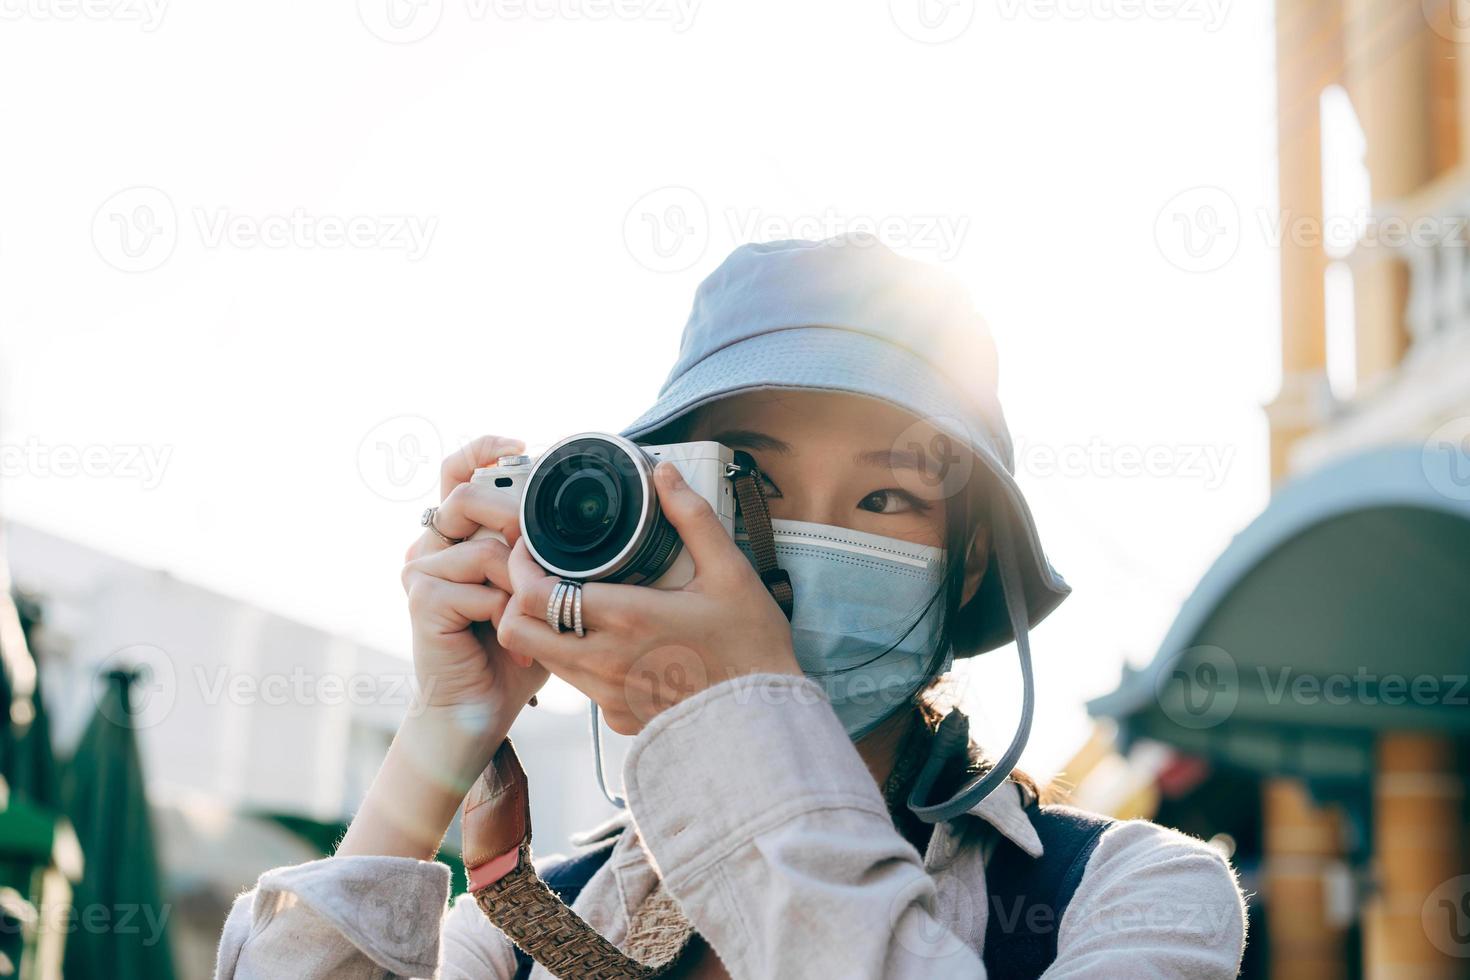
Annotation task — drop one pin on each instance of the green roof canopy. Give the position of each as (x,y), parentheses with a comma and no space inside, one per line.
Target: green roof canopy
(1342,610)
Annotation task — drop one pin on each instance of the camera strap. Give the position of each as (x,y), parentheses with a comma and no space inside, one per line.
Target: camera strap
(750,496)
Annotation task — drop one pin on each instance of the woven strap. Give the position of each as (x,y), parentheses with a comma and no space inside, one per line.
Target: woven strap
(497,849)
(751,497)
(521,906)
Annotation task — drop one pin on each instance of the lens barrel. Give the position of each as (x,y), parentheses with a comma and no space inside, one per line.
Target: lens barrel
(590,512)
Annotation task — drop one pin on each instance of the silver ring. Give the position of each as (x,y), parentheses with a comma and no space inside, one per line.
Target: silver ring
(577,612)
(427,520)
(553,606)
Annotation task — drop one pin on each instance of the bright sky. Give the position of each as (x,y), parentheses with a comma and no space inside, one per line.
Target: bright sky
(257,262)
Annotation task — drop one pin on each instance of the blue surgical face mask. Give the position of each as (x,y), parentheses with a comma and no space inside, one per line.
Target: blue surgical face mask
(866,619)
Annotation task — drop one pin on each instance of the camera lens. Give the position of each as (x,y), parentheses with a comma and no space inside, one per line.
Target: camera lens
(584,508)
(590,512)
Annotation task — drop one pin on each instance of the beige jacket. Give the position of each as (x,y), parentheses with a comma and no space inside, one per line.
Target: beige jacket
(753,805)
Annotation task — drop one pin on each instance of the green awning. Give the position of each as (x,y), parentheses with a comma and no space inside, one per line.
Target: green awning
(106,800)
(1341,611)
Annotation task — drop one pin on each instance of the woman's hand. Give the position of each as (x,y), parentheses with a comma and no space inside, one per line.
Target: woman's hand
(457,593)
(469,690)
(646,649)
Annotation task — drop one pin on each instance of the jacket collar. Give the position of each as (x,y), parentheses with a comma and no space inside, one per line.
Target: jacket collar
(1004,809)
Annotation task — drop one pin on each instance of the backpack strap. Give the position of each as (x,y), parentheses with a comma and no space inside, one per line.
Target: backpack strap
(566,879)
(1028,896)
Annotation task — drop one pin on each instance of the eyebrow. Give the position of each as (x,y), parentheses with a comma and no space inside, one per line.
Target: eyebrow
(893,459)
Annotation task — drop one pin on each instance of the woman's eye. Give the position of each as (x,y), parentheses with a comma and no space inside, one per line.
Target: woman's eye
(891,502)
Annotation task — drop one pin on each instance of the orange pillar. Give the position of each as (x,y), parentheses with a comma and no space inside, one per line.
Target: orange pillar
(1389,49)
(1417,849)
(1308,58)
(1303,841)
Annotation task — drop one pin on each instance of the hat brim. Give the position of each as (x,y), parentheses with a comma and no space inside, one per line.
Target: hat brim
(838,360)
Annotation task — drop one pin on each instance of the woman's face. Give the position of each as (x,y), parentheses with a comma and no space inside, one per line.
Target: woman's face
(836,459)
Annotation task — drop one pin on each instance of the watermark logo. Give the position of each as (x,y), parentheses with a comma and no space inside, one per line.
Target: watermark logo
(399,458)
(147,14)
(1200,689)
(136,229)
(1446,459)
(140,462)
(1445,917)
(1198,230)
(1205,463)
(400,21)
(667,230)
(930,463)
(151,695)
(1209,13)
(1449,19)
(940,235)
(660,679)
(932,21)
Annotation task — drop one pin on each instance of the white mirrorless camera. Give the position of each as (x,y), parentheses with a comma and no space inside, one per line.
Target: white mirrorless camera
(589,510)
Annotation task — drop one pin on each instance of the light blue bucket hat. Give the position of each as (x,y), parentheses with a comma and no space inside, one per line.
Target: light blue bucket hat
(849,315)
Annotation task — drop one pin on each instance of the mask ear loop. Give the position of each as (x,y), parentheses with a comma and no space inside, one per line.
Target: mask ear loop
(953,737)
(750,494)
(612,798)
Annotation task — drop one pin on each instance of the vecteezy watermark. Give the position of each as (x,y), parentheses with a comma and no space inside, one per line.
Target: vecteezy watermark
(1206,463)
(408,21)
(1364,687)
(398,459)
(94,918)
(1198,230)
(940,234)
(1201,229)
(408,233)
(1210,14)
(152,693)
(1446,459)
(312,689)
(1200,689)
(147,14)
(932,21)
(660,679)
(1445,917)
(669,229)
(99,461)
(138,228)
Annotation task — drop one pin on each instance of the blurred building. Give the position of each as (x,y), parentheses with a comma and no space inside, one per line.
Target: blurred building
(1310,705)
(259,735)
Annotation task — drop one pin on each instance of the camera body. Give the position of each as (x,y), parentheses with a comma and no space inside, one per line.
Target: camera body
(589,511)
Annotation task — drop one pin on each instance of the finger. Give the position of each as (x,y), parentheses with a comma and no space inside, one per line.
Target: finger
(472,506)
(525,636)
(459,466)
(447,607)
(605,606)
(476,562)
(709,544)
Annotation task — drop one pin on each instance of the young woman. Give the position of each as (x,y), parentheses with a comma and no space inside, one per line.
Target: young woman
(794,806)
